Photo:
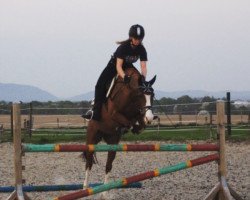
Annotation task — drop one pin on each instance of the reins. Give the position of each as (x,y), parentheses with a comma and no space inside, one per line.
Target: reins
(112,97)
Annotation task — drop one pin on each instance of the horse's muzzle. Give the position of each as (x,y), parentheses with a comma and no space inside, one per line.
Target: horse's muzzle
(149,117)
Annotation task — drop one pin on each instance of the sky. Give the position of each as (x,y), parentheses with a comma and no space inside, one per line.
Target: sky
(62,46)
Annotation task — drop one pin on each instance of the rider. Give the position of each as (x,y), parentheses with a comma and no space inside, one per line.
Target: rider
(128,52)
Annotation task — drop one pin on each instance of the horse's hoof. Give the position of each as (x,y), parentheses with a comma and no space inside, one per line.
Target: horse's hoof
(122,130)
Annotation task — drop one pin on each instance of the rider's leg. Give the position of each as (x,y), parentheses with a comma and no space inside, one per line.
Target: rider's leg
(99,99)
(100,89)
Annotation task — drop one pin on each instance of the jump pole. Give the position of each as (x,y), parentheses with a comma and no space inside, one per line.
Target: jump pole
(118,147)
(140,177)
(67,187)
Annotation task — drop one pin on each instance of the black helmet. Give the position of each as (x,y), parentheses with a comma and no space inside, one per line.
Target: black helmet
(136,31)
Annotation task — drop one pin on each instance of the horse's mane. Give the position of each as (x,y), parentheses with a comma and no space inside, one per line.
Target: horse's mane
(131,71)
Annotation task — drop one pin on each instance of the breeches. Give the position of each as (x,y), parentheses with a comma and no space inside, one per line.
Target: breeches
(105,78)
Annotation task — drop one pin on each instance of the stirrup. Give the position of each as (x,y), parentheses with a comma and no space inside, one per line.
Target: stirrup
(88,115)
(92,103)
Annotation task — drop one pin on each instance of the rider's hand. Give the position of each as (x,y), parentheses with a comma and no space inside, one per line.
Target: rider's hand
(126,79)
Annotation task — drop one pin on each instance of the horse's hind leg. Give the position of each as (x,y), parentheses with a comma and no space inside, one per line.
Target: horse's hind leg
(110,139)
(92,138)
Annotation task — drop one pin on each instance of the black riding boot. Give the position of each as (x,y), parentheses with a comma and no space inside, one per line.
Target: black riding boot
(99,99)
(97,111)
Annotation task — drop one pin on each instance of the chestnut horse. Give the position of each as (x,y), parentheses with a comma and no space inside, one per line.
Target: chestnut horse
(128,106)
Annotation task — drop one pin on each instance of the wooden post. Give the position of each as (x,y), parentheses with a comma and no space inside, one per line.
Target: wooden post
(221,191)
(18,193)
(17,143)
(31,121)
(228,114)
(180,118)
(11,121)
(221,132)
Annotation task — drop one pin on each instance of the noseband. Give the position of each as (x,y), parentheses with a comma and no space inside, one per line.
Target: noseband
(144,109)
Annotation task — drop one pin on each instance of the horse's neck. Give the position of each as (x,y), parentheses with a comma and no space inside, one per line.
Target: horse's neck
(122,93)
(132,71)
(125,100)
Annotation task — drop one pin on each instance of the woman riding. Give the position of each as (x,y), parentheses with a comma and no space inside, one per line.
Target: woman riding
(128,52)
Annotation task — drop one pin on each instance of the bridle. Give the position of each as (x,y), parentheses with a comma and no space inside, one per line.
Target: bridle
(146,88)
(144,109)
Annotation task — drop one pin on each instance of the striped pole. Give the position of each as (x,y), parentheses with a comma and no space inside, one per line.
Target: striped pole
(140,177)
(49,188)
(118,147)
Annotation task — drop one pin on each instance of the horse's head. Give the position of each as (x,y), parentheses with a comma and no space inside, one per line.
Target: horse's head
(140,94)
(148,91)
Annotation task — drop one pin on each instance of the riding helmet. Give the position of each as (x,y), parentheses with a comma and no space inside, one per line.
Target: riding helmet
(137,31)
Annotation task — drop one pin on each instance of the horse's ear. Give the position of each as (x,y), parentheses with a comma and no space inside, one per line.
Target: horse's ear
(152,80)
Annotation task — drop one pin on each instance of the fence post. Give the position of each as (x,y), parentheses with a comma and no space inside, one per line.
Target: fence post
(31,121)
(17,143)
(11,121)
(222,142)
(221,133)
(18,193)
(228,114)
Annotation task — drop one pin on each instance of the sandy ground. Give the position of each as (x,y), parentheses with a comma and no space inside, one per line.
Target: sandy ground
(190,184)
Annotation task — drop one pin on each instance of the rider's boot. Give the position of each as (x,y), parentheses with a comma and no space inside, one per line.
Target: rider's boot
(97,111)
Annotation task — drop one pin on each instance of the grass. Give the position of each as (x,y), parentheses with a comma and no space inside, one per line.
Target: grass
(175,134)
(240,135)
(193,134)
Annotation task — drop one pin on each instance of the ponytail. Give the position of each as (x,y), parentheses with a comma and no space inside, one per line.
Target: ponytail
(123,41)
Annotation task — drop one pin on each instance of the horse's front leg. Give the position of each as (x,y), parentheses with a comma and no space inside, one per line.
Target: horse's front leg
(139,126)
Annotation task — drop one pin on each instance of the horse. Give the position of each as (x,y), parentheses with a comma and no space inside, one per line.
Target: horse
(127,107)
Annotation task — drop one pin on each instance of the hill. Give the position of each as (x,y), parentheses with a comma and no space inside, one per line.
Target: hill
(26,93)
(16,92)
